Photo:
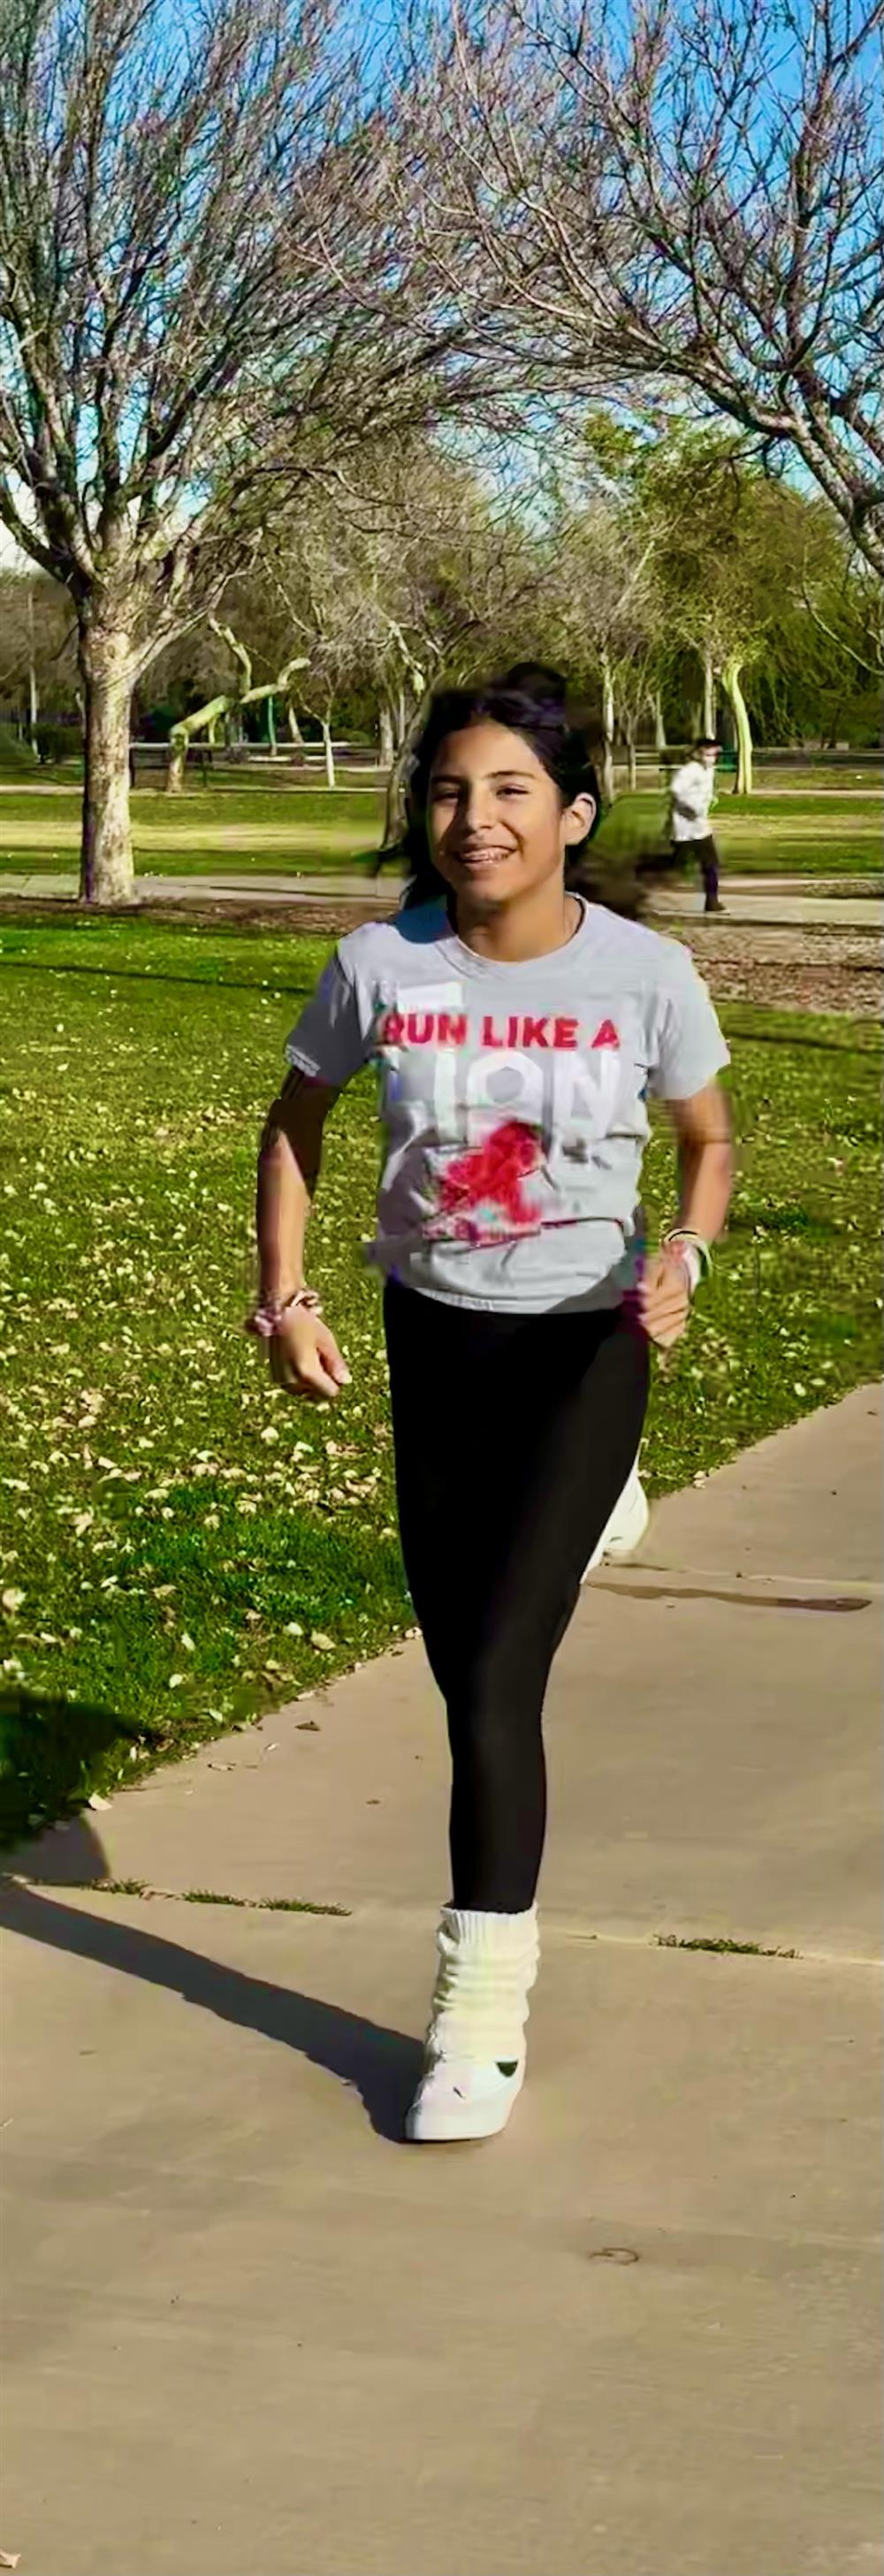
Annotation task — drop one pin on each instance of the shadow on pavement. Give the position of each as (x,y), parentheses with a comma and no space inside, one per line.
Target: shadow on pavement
(382,2065)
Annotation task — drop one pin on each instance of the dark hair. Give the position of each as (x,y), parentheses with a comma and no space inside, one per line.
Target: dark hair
(707,742)
(532,700)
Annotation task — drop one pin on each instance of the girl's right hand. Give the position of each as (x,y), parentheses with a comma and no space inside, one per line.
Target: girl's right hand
(305,1359)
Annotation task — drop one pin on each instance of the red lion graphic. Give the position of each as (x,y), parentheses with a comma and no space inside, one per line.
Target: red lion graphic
(491,1176)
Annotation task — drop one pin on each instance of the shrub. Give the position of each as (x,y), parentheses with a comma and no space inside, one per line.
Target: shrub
(57,741)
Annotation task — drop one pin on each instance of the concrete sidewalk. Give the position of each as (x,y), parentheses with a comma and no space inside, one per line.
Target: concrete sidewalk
(756,902)
(247,2330)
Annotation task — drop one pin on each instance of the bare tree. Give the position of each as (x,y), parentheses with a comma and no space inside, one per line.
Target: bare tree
(601,613)
(319,582)
(682,195)
(206,300)
(455,588)
(37,664)
(845,608)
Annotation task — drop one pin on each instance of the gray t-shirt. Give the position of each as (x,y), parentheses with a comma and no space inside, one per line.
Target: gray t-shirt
(513,1098)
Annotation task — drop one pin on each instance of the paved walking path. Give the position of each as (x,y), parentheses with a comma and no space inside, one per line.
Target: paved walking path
(778,901)
(249,2330)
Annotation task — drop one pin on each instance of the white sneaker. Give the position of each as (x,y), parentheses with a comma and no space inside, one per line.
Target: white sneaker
(459,2099)
(474,2067)
(625,1529)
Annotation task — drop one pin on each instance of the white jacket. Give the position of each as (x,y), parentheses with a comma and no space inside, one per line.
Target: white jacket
(691,792)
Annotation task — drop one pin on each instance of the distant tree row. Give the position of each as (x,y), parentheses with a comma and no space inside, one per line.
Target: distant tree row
(679,588)
(254,262)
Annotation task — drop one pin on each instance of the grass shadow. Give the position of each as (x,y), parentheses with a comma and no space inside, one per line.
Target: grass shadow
(382,2065)
(49,1747)
(110,972)
(802,1039)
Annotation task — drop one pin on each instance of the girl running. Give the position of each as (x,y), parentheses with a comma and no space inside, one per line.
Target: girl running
(517,1027)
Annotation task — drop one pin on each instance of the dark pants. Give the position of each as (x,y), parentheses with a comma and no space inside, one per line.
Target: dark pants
(514,1436)
(706,856)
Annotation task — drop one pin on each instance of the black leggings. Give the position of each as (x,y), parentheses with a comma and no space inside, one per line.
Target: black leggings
(514,1436)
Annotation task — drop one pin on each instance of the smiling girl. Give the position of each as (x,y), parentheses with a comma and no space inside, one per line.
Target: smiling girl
(517,1028)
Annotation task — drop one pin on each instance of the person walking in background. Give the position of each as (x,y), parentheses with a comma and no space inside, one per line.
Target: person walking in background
(690,796)
(517,1026)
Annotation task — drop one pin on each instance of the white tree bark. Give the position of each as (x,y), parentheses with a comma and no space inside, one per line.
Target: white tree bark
(295,735)
(730,680)
(330,778)
(386,736)
(608,721)
(33,692)
(709,693)
(108,672)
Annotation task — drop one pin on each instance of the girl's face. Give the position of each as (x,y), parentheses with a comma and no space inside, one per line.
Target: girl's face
(497,825)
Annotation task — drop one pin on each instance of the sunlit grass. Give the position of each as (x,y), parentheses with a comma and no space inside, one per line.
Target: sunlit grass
(250,830)
(800,835)
(265,831)
(180,1545)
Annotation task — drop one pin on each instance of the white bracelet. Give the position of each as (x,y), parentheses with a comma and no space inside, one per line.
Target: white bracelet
(690,1260)
(692,1251)
(265,1319)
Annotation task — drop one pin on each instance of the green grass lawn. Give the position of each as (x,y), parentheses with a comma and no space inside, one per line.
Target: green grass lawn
(263,830)
(179,1544)
(800,835)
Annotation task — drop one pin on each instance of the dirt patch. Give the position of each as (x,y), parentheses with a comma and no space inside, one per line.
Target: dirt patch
(799,970)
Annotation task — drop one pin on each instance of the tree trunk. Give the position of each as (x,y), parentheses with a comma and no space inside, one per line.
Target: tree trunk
(106,870)
(607,780)
(295,734)
(33,692)
(660,743)
(386,736)
(330,778)
(709,694)
(633,764)
(176,763)
(730,679)
(271,727)
(395,810)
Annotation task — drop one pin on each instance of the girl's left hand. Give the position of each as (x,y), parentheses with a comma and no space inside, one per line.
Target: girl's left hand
(664,1299)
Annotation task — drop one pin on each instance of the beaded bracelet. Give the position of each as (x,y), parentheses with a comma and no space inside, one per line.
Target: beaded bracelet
(265,1319)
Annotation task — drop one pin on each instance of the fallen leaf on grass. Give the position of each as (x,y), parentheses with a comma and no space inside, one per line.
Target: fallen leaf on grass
(326,1645)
